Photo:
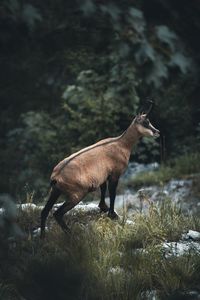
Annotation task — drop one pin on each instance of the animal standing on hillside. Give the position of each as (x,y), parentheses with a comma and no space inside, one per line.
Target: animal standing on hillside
(98,165)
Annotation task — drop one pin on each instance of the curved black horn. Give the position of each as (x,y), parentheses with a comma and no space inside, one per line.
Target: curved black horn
(150,107)
(141,110)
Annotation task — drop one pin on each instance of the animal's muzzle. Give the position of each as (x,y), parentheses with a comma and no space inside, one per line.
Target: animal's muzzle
(155,131)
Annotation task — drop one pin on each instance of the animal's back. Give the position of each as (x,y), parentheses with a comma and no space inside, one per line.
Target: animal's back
(91,166)
(80,161)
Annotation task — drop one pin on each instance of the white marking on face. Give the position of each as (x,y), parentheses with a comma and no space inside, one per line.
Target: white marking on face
(144,131)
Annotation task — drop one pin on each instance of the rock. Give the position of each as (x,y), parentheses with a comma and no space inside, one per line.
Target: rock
(36,232)
(116,270)
(130,222)
(192,234)
(178,189)
(136,168)
(180,248)
(81,207)
(150,295)
(2,210)
(185,295)
(26,206)
(40,207)
(57,205)
(125,200)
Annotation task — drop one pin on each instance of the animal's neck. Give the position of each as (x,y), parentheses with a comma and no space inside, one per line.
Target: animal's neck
(130,137)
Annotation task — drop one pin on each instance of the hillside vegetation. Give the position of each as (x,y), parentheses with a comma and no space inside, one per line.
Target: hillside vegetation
(101,258)
(75,72)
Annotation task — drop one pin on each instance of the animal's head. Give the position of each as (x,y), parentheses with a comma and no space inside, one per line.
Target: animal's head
(144,126)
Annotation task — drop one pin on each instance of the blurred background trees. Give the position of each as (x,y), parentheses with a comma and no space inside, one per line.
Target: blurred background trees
(73,72)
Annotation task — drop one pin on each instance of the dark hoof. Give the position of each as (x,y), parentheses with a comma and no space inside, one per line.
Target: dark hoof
(113,215)
(104,208)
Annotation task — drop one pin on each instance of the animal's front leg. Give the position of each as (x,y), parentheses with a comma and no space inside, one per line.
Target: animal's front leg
(112,187)
(102,204)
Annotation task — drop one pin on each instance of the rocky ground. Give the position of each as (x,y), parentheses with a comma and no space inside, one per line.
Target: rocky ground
(180,191)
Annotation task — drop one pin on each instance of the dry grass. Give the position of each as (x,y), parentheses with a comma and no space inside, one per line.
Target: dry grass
(101,258)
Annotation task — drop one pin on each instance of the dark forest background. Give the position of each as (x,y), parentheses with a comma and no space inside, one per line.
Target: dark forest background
(73,72)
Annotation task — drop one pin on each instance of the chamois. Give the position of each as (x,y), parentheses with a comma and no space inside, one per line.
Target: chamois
(98,165)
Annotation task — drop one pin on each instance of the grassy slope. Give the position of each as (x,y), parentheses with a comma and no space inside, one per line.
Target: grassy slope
(99,259)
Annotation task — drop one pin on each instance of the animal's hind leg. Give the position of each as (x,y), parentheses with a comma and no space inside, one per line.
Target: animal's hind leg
(54,194)
(59,213)
(112,186)
(102,204)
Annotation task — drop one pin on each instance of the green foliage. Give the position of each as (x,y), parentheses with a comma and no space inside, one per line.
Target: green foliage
(130,55)
(147,150)
(9,233)
(26,13)
(166,36)
(176,113)
(157,50)
(97,106)
(8,292)
(36,148)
